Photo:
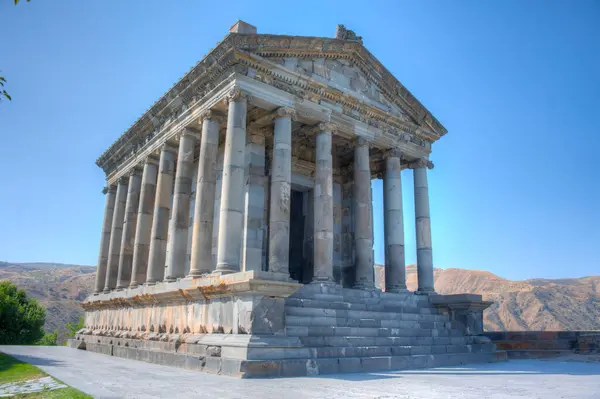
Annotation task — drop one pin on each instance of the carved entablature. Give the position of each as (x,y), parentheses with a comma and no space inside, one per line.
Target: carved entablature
(338,72)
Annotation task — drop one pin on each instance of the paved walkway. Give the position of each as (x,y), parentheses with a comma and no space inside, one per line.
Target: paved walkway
(110,377)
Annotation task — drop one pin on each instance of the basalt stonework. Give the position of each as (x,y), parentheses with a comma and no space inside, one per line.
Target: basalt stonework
(238,228)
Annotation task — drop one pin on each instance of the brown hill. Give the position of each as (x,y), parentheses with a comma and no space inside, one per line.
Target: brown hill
(538,304)
(58,287)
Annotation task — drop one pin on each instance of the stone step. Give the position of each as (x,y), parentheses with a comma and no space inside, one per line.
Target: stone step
(535,345)
(361,322)
(370,351)
(398,307)
(291,310)
(536,353)
(341,341)
(324,331)
(311,367)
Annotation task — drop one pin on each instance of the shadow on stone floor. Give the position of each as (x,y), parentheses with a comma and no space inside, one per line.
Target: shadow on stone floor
(37,361)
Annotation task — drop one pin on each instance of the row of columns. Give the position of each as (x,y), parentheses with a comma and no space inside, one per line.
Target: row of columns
(141,244)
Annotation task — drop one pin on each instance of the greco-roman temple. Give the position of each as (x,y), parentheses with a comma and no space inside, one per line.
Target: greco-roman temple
(238,227)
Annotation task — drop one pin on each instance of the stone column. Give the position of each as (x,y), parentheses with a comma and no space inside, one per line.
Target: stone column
(231,213)
(323,207)
(281,180)
(141,246)
(255,207)
(363,217)
(423,228)
(114,248)
(105,239)
(201,260)
(180,219)
(160,220)
(129,228)
(395,268)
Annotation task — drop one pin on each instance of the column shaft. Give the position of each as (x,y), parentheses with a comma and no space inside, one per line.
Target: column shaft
(105,239)
(395,268)
(202,235)
(180,219)
(423,231)
(144,223)
(281,180)
(323,208)
(129,228)
(255,212)
(232,199)
(160,221)
(363,217)
(114,248)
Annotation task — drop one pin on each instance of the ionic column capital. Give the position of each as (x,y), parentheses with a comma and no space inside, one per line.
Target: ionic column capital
(237,94)
(151,159)
(107,189)
(421,163)
(323,127)
(392,153)
(211,115)
(136,170)
(186,131)
(285,112)
(168,148)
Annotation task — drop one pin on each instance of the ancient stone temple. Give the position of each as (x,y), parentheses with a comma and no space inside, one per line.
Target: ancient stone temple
(238,227)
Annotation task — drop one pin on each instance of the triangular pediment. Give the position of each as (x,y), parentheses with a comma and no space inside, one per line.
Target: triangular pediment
(341,74)
(343,62)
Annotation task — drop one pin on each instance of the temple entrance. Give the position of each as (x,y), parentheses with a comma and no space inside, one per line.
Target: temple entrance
(300,260)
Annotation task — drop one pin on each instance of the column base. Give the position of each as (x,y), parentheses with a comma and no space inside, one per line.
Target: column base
(426,291)
(397,290)
(224,268)
(364,285)
(323,280)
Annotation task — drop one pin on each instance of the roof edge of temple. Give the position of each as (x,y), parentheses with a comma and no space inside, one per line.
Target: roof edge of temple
(240,32)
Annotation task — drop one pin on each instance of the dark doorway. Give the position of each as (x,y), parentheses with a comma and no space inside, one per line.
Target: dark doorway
(297,218)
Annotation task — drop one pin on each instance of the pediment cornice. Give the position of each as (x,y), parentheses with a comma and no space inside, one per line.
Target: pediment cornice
(208,73)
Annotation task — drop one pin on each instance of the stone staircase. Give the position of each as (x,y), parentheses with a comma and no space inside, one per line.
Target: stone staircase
(345,330)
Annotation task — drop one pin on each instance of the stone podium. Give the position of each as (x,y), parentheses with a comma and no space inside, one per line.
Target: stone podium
(238,227)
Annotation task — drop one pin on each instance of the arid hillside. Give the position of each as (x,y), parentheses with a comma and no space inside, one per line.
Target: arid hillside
(58,287)
(538,304)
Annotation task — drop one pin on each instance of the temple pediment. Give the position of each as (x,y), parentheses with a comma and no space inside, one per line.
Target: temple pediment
(341,74)
(338,73)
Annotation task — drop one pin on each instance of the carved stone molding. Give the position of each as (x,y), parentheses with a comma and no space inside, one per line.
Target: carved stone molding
(186,131)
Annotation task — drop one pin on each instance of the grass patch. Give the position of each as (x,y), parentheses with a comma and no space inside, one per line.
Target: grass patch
(64,393)
(13,370)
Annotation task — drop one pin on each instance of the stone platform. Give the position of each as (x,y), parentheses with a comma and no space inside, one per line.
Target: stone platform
(260,330)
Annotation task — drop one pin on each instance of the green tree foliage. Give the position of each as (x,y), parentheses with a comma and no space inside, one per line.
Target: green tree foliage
(49,339)
(21,318)
(73,327)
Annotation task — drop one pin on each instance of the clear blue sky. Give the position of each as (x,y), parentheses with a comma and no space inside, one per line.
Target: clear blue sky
(515,190)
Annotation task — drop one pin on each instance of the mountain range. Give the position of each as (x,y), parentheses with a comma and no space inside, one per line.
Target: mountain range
(536,304)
